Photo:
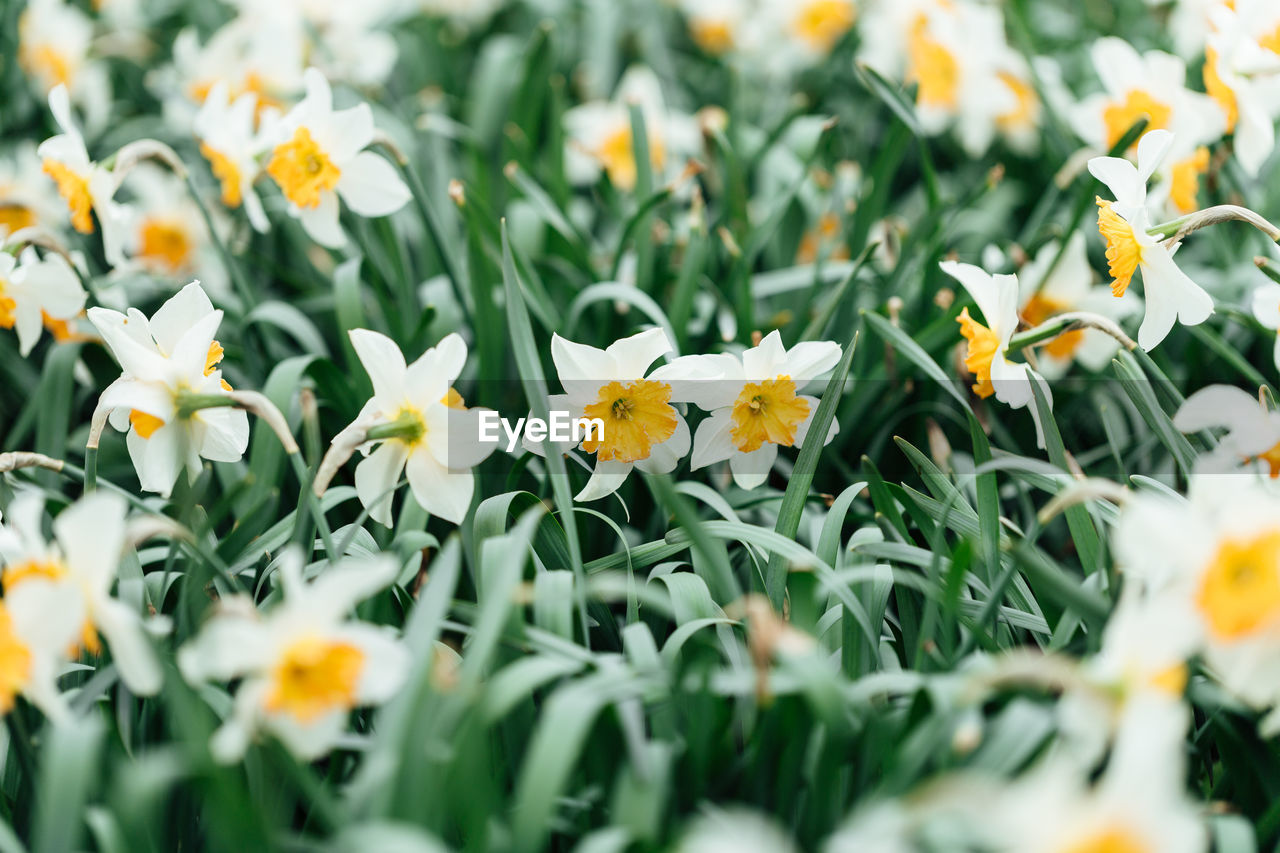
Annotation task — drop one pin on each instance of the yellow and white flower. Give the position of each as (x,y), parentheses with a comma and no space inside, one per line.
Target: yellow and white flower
(782,36)
(716,26)
(27,199)
(81,566)
(1253,430)
(1266,310)
(997,298)
(965,73)
(1171,296)
(431,434)
(599,134)
(54,43)
(166,233)
(171,355)
(318,156)
(232,146)
(641,427)
(88,187)
(755,406)
(1137,805)
(35,290)
(302,665)
(1215,557)
(1242,73)
(1070,287)
(1151,85)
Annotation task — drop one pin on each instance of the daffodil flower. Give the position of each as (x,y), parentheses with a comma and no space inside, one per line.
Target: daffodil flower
(302,666)
(171,355)
(1171,296)
(35,290)
(421,425)
(642,429)
(54,42)
(1266,310)
(1214,557)
(755,407)
(228,140)
(1242,73)
(81,565)
(318,156)
(1253,430)
(166,234)
(1070,287)
(1137,805)
(997,298)
(27,198)
(87,187)
(599,134)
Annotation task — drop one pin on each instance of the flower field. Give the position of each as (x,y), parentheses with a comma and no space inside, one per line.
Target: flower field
(640,425)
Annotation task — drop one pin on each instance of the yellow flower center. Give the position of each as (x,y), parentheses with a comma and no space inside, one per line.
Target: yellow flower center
(315,676)
(713,36)
(1272,458)
(818,238)
(227,173)
(40,60)
(636,416)
(1111,840)
(413,424)
(16,216)
(618,156)
(1022,115)
(251,82)
(1040,308)
(1137,104)
(1271,41)
(8,307)
(15,662)
(821,23)
(302,169)
(983,344)
(932,67)
(453,400)
(61,330)
(1124,252)
(213,360)
(165,243)
(75,189)
(50,570)
(767,411)
(1171,681)
(1185,184)
(1218,90)
(1240,593)
(144,424)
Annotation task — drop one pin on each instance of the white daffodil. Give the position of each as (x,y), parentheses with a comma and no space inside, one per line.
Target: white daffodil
(87,187)
(35,291)
(1070,287)
(1137,805)
(599,134)
(716,26)
(1253,430)
(755,407)
(964,71)
(171,355)
(429,431)
(166,234)
(1189,22)
(319,156)
(302,665)
(1215,558)
(1242,73)
(997,298)
(1149,85)
(54,41)
(1266,310)
(641,429)
(82,563)
(229,141)
(1170,295)
(784,36)
(735,829)
(39,622)
(27,199)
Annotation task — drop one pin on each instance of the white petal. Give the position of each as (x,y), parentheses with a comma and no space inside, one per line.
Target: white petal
(321,222)
(226,434)
(713,440)
(377,476)
(178,314)
(634,354)
(1170,295)
(385,365)
(810,359)
(664,456)
(91,535)
(766,360)
(605,480)
(158,459)
(130,649)
(441,492)
(370,186)
(751,470)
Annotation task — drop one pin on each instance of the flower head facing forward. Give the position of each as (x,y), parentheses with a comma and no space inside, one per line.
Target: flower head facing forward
(303,665)
(35,291)
(429,432)
(174,353)
(80,568)
(642,429)
(1171,296)
(754,404)
(318,156)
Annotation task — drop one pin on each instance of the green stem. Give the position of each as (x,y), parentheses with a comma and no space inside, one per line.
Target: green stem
(233,270)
